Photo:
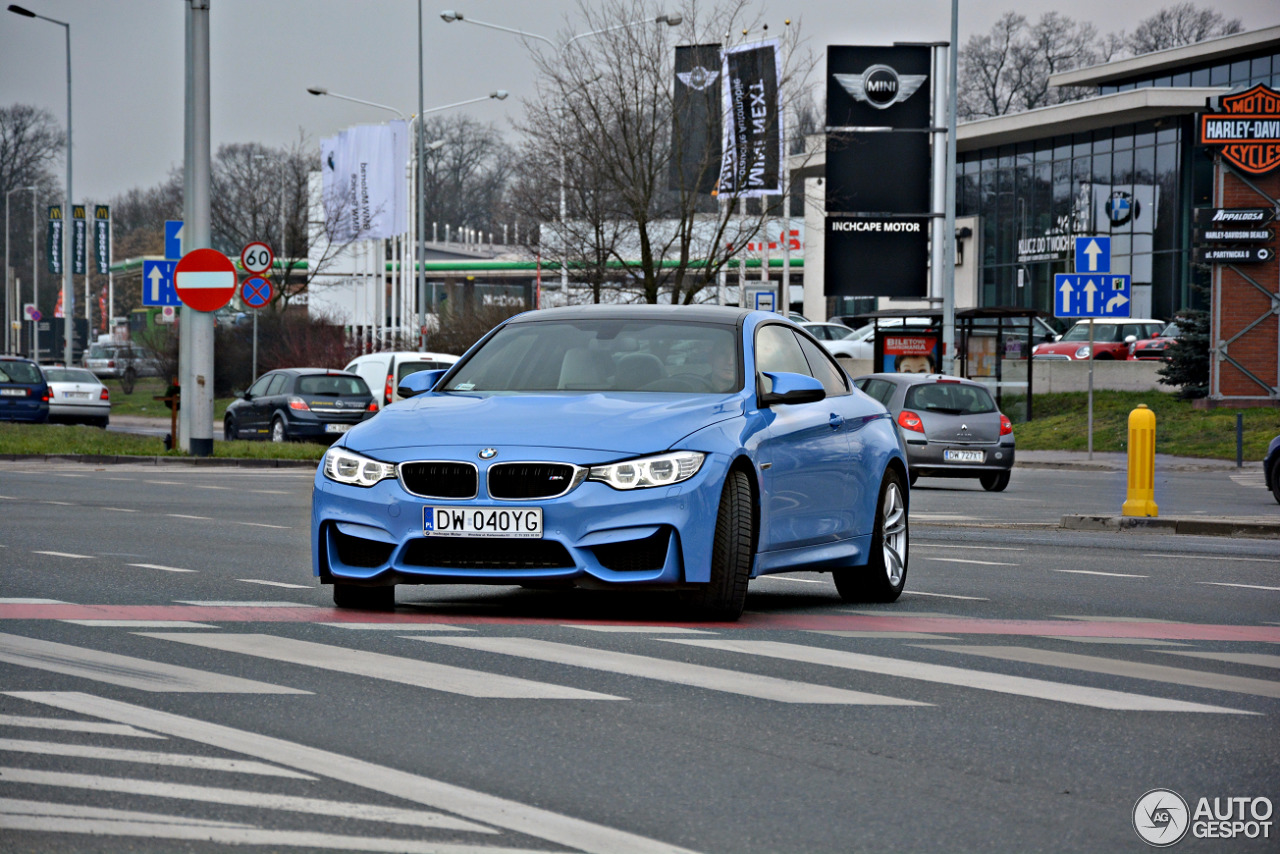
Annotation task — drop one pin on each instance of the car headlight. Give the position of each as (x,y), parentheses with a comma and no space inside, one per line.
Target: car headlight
(353,469)
(660,470)
(1083,352)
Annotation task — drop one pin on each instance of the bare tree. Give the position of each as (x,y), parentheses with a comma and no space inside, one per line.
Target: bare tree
(31,144)
(1178,25)
(1007,70)
(606,105)
(463,180)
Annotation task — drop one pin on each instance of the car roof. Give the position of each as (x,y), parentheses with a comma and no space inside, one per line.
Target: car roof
(404,354)
(914,379)
(304,372)
(1119,320)
(704,313)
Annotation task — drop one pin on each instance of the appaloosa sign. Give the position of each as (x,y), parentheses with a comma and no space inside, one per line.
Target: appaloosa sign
(1248,129)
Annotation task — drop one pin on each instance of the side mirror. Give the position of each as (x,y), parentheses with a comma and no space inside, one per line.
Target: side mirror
(419,382)
(243,395)
(792,388)
(1129,339)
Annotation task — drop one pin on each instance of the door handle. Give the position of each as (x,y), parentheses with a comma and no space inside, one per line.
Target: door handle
(836,421)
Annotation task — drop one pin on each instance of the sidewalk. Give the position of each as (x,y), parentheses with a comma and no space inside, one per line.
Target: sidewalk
(1119,461)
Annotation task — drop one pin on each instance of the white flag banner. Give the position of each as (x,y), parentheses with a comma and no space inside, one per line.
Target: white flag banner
(364,193)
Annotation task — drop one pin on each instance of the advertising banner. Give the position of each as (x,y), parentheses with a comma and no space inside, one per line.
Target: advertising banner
(102,238)
(878,86)
(695,128)
(79,240)
(53,240)
(908,353)
(752,151)
(876,256)
(363,182)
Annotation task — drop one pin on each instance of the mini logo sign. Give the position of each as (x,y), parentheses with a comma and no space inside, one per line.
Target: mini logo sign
(487,453)
(699,78)
(1161,818)
(1248,129)
(881,86)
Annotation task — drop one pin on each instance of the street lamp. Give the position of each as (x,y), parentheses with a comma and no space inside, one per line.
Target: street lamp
(671,20)
(15,300)
(68,290)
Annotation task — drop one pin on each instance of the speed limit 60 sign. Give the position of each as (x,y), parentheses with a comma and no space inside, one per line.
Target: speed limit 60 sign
(256,257)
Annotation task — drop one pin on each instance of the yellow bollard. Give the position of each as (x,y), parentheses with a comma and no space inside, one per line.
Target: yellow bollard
(1142,464)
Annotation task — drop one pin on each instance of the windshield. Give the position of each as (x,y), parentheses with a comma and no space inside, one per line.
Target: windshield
(1103,333)
(69,375)
(332,386)
(952,398)
(98,351)
(20,372)
(1170,331)
(605,355)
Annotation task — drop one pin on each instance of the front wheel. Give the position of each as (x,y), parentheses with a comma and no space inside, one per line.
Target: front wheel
(726,595)
(1275,480)
(127,380)
(279,433)
(229,431)
(885,575)
(995,481)
(364,598)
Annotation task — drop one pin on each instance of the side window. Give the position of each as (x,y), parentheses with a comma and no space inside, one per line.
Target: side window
(823,368)
(777,350)
(259,388)
(277,384)
(878,390)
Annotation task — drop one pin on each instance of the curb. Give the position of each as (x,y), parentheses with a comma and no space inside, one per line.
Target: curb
(1201,527)
(112,459)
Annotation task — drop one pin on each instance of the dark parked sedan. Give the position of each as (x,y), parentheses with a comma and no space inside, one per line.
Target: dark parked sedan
(950,425)
(299,403)
(1271,467)
(24,394)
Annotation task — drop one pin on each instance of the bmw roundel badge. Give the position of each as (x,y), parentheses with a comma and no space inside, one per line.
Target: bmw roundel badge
(487,453)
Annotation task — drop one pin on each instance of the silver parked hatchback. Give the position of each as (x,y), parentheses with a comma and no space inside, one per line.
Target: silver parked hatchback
(951,426)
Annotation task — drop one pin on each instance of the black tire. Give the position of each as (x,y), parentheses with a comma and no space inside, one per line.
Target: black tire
(1275,480)
(229,430)
(995,481)
(127,380)
(279,430)
(912,478)
(364,598)
(102,422)
(724,597)
(885,574)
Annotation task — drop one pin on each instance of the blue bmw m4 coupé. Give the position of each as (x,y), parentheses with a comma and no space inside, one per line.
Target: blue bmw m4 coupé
(689,448)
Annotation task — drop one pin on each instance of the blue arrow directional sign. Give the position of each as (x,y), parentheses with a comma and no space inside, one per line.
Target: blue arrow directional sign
(1105,295)
(173,241)
(1093,254)
(157,283)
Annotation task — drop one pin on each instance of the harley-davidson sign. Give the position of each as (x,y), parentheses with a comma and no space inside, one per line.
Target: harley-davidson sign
(1248,129)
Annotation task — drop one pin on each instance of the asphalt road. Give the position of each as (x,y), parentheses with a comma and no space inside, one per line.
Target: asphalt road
(172,679)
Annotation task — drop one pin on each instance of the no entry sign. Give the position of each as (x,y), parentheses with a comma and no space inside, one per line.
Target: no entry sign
(205,279)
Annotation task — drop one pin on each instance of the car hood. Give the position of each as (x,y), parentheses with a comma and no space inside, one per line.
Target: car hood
(619,423)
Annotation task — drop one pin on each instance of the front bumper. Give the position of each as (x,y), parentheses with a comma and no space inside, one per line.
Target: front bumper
(592,536)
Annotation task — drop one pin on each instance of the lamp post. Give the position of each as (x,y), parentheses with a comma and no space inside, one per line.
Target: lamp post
(420,274)
(671,20)
(68,289)
(11,296)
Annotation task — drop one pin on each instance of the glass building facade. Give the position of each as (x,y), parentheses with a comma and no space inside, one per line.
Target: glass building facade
(1137,183)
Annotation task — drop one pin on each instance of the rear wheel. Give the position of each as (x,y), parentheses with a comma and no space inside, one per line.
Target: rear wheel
(127,380)
(1275,480)
(102,422)
(885,575)
(995,481)
(279,433)
(726,594)
(229,431)
(365,598)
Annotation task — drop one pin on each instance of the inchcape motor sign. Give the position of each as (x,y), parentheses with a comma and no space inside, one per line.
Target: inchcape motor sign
(1247,129)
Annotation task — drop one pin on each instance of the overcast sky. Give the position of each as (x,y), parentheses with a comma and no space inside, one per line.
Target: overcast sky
(127,62)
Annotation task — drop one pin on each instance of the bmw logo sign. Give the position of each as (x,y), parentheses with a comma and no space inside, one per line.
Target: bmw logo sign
(487,453)
(1122,207)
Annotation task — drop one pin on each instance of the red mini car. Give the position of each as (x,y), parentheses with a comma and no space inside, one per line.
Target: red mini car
(1111,339)
(1156,348)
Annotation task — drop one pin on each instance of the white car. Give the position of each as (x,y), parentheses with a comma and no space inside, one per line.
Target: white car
(841,341)
(382,372)
(76,395)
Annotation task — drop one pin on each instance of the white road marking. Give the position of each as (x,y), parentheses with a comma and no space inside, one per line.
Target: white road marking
(21,601)
(940,517)
(1094,572)
(264,525)
(844,633)
(1118,641)
(1041,689)
(399,627)
(64,554)
(977,548)
(646,630)
(149,757)
(946,595)
(389,668)
(1109,619)
(236,797)
(185,516)
(15,809)
(487,809)
(165,482)
(63,725)
(141,624)
(160,567)
(668,670)
(1121,667)
(119,509)
(1215,557)
(126,671)
(785,578)
(1248,586)
(1254,659)
(58,503)
(224,603)
(275,583)
(964,560)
